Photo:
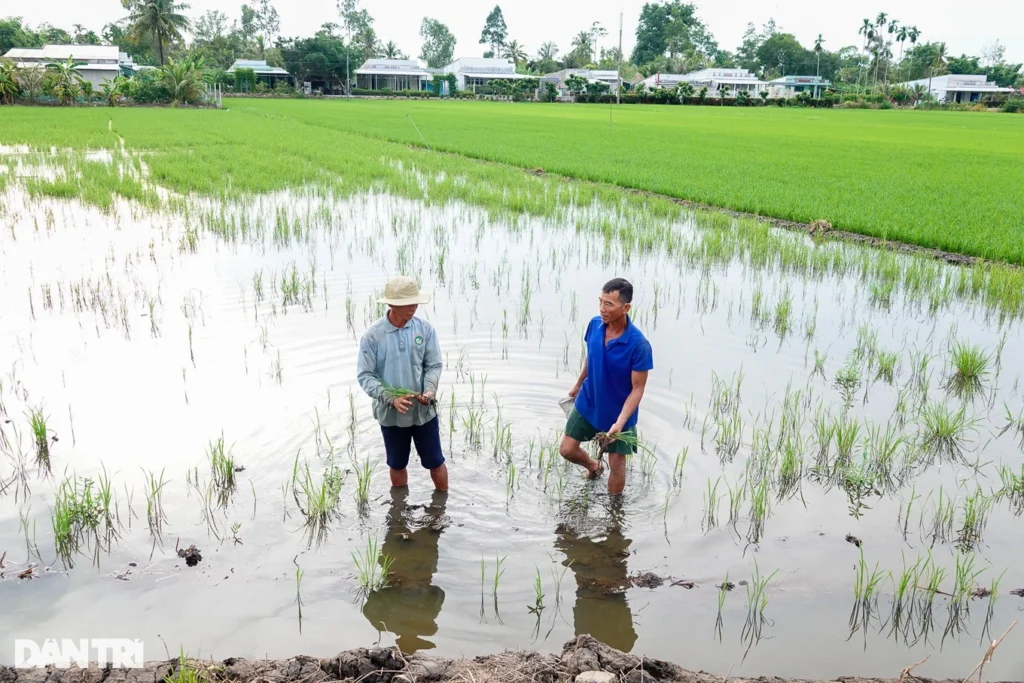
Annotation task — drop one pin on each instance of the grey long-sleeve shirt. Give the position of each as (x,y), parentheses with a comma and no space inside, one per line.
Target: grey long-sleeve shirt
(405,357)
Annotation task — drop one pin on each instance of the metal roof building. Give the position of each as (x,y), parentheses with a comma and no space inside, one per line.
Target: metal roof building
(714,79)
(473,72)
(264,72)
(392,74)
(97,63)
(959,87)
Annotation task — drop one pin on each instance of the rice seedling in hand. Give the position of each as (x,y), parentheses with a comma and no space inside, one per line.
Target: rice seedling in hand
(397,392)
(373,567)
(943,433)
(969,369)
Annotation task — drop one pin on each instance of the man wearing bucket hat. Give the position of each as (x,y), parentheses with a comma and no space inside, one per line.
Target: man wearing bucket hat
(401,351)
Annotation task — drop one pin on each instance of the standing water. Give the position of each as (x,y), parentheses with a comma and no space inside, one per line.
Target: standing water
(830,480)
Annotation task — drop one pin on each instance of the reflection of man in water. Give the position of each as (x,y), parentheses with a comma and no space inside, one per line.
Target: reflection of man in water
(599,566)
(410,605)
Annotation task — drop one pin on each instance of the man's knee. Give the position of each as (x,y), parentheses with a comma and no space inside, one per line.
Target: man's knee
(568,448)
(617,462)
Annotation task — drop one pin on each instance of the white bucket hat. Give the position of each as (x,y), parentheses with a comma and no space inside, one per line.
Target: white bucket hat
(403,291)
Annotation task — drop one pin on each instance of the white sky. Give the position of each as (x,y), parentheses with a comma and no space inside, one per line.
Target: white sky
(964,28)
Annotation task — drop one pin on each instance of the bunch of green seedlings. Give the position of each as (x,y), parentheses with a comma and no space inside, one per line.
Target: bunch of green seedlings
(84,515)
(373,567)
(970,367)
(41,439)
(317,498)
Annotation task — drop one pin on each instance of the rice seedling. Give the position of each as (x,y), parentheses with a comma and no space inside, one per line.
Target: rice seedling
(943,433)
(722,591)
(904,596)
(905,511)
(364,476)
(1012,487)
(511,479)
(373,567)
(677,467)
(711,505)
(866,585)
(848,380)
(887,367)
(155,516)
(299,573)
(965,580)
(846,433)
(222,469)
(186,672)
(630,438)
(820,359)
(235,528)
(883,449)
(760,508)
(538,595)
(41,439)
(942,519)
(498,572)
(969,369)
(473,425)
(82,516)
(791,466)
(757,602)
(317,498)
(974,517)
(1015,424)
(992,592)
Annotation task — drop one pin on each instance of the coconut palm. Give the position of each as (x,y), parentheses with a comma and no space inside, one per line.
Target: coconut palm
(901,38)
(160,19)
(514,50)
(723,92)
(866,29)
(583,44)
(938,65)
(67,81)
(547,52)
(390,50)
(10,83)
(184,80)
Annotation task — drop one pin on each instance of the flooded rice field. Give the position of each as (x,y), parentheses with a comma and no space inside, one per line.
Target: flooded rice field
(832,479)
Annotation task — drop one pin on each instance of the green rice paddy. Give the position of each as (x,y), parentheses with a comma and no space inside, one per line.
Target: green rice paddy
(945,180)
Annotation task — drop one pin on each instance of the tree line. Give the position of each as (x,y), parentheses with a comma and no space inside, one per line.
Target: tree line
(670,38)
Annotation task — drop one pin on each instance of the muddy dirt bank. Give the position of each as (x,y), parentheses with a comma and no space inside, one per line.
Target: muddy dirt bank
(583,659)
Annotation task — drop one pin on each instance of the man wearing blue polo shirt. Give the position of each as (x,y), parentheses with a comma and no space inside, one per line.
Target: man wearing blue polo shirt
(610,387)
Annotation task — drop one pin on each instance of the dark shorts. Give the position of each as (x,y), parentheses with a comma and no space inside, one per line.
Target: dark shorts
(398,444)
(578,428)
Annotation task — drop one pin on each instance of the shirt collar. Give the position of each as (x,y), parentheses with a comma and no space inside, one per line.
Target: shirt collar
(627,334)
(389,327)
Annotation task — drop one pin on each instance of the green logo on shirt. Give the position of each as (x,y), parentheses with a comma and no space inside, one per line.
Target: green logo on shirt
(418,340)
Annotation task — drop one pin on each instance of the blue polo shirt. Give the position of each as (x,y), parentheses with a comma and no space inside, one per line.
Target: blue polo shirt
(610,373)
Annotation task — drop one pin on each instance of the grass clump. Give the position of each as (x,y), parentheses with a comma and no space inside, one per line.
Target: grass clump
(317,497)
(40,438)
(373,567)
(944,433)
(84,516)
(969,368)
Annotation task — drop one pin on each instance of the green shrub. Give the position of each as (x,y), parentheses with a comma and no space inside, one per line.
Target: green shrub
(147,87)
(1014,106)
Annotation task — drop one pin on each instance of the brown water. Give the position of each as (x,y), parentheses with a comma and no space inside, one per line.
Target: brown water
(130,387)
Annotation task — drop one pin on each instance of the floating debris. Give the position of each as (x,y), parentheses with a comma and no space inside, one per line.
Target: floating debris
(191,554)
(850,538)
(646,580)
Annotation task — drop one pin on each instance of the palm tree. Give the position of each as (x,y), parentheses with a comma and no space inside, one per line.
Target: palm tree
(865,30)
(184,80)
(901,37)
(894,29)
(514,51)
(390,50)
(818,42)
(723,92)
(596,31)
(547,52)
(10,83)
(938,63)
(161,19)
(583,44)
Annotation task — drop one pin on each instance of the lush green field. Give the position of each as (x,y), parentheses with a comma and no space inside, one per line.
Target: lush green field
(939,179)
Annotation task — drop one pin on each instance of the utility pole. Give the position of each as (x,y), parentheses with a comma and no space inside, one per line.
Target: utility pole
(348,74)
(618,91)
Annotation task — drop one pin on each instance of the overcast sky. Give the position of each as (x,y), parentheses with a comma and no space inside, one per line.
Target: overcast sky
(964,27)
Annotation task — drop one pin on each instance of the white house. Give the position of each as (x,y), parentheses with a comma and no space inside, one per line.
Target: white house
(790,86)
(958,87)
(474,72)
(714,79)
(393,74)
(97,63)
(609,77)
(263,71)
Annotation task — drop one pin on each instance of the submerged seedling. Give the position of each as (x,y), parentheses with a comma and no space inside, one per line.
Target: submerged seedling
(373,567)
